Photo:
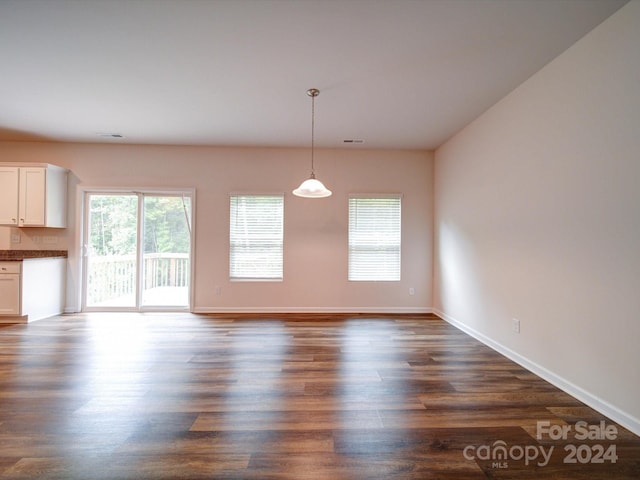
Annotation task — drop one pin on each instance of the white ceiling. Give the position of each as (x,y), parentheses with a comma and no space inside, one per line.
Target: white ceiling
(395,73)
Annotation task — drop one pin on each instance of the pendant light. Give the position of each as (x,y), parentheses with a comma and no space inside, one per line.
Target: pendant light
(312,187)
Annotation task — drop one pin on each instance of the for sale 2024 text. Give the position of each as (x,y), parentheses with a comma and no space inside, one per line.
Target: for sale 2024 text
(581,431)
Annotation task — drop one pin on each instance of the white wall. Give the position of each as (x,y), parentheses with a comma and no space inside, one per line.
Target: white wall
(315,261)
(538,218)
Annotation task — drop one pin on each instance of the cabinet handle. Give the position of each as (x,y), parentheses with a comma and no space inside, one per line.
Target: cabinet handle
(13,220)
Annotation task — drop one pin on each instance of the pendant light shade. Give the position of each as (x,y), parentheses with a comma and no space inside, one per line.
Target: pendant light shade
(312,187)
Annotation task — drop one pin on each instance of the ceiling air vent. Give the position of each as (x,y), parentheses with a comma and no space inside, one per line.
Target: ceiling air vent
(110,135)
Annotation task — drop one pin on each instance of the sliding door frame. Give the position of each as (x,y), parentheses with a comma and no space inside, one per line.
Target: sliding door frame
(84,194)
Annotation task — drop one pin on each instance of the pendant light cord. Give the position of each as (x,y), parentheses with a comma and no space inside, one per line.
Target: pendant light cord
(313,119)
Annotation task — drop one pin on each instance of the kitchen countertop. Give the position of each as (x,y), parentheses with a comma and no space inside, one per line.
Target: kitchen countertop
(19,255)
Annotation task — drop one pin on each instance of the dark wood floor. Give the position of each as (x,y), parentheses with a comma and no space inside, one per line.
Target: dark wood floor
(179,396)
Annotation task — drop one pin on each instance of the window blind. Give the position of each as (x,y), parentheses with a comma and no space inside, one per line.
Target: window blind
(374,238)
(256,237)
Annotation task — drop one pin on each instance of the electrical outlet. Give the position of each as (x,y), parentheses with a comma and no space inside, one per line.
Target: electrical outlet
(218,290)
(412,291)
(16,238)
(516,325)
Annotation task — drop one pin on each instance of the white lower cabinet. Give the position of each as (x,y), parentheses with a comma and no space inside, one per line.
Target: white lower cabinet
(10,288)
(33,289)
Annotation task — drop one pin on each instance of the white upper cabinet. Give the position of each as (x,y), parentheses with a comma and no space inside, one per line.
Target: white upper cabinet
(9,179)
(33,195)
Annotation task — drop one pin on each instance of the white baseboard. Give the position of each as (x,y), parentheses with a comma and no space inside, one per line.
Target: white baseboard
(614,413)
(354,310)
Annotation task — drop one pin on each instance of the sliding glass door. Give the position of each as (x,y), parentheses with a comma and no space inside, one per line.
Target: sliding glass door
(137,251)
(165,253)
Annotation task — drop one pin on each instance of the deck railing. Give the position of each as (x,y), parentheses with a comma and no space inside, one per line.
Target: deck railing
(115,276)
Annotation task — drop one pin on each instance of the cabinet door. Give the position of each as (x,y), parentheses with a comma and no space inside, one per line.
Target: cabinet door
(9,195)
(32,197)
(10,294)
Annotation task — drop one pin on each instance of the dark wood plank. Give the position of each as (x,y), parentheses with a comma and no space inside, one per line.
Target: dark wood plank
(295,396)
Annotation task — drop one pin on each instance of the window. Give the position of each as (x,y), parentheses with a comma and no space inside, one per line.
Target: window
(374,238)
(256,237)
